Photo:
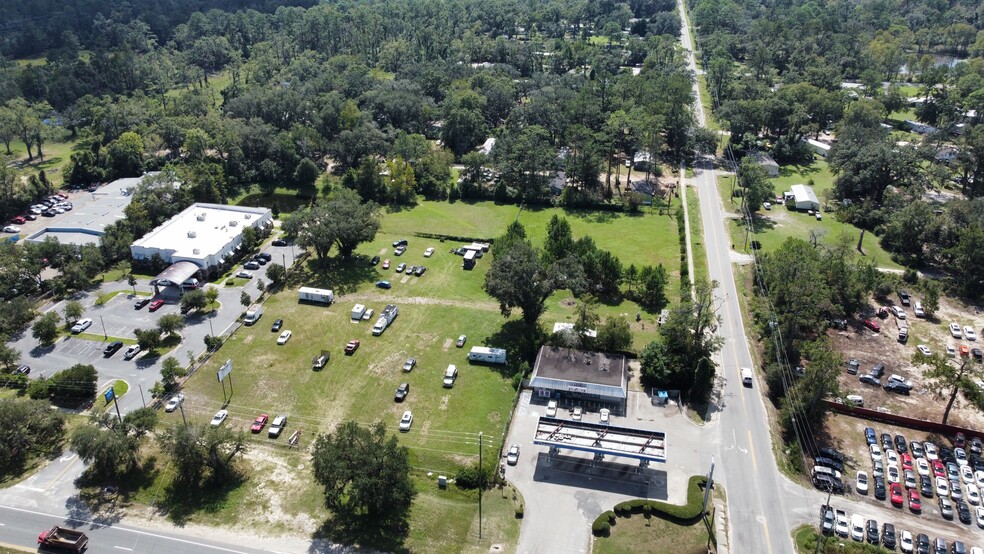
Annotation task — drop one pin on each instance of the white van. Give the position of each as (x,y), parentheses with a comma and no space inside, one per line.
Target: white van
(746,376)
(450,374)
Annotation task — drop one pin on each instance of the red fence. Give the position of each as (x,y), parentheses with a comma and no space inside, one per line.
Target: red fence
(909,422)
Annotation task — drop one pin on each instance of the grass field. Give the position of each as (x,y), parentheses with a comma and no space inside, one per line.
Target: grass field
(57,154)
(638,534)
(774,226)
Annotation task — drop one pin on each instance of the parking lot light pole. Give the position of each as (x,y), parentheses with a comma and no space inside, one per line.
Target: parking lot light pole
(105,335)
(481,484)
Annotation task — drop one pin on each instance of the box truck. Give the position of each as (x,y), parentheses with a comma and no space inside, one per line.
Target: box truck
(487,355)
(311,294)
(253,314)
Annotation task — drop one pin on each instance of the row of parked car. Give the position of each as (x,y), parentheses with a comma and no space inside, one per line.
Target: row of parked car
(894,383)
(862,529)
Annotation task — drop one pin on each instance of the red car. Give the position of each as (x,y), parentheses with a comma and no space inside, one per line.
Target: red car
(872,324)
(260,423)
(906,461)
(938,469)
(19,220)
(914,503)
(352,346)
(896,493)
(155,305)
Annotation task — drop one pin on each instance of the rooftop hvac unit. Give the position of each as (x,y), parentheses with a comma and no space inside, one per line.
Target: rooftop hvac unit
(196,251)
(200,217)
(247,216)
(192,234)
(233,223)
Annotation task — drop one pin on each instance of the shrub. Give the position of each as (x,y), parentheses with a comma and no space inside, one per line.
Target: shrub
(519,512)
(601,528)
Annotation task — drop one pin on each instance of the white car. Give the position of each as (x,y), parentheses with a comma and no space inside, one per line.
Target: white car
(961,456)
(905,542)
(918,310)
(969,333)
(967,475)
(857,527)
(428,253)
(875,451)
(843,528)
(891,457)
(862,483)
(922,467)
(924,350)
(406,421)
(942,487)
(512,456)
(174,402)
(979,479)
(11,229)
(219,417)
(955,331)
(578,413)
(878,469)
(899,312)
(956,491)
(973,494)
(893,474)
(951,351)
(81,325)
(980,516)
(132,351)
(767,205)
(552,408)
(244,275)
(931,452)
(284,337)
(606,416)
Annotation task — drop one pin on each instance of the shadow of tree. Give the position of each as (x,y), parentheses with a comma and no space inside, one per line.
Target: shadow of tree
(342,276)
(181,501)
(522,345)
(352,529)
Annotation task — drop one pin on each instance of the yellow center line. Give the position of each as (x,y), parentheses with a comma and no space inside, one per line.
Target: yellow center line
(751,448)
(58,477)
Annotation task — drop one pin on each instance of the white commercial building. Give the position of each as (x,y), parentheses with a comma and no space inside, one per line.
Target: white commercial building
(204,234)
(803,197)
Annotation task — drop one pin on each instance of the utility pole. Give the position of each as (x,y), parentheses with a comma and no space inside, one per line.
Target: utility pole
(823,538)
(106,336)
(481,484)
(142,399)
(182,408)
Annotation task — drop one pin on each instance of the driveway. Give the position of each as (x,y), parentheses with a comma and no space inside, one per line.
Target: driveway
(566,492)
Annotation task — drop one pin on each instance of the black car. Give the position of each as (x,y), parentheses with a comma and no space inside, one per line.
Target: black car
(374,260)
(963,511)
(853,366)
(870,379)
(22,370)
(830,453)
(878,370)
(896,387)
(901,446)
(879,488)
(828,462)
(977,353)
(276,325)
(401,242)
(888,536)
(401,392)
(904,297)
(264,256)
(939,546)
(946,455)
(260,260)
(824,482)
(112,348)
(279,242)
(886,441)
(140,303)
(419,270)
(922,543)
(926,486)
(411,269)
(185,308)
(871,531)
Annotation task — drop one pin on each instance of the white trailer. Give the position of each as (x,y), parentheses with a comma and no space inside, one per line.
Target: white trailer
(357,312)
(311,294)
(469,260)
(487,355)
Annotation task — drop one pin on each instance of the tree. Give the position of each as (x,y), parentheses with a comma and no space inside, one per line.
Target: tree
(211,295)
(614,335)
(109,451)
(140,421)
(947,380)
(170,323)
(652,287)
(132,281)
(931,298)
(125,155)
(195,300)
(690,339)
(343,220)
(73,311)
(245,299)
(9,356)
(148,339)
(365,474)
(305,175)
(277,275)
(202,455)
(656,365)
(75,383)
(170,371)
(756,184)
(38,430)
(45,328)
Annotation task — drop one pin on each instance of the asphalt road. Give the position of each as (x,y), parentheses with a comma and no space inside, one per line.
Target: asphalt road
(759,498)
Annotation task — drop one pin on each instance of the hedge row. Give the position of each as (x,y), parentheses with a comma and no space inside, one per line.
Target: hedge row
(687,512)
(452,237)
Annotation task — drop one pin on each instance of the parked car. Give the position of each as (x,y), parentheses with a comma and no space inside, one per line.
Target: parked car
(428,253)
(277,324)
(18,220)
(374,260)
(931,452)
(888,536)
(401,242)
(400,250)
(174,402)
(605,416)
(406,421)
(861,484)
(277,426)
(400,268)
(871,531)
(915,504)
(926,486)
(578,413)
(279,242)
(924,350)
(259,423)
(946,506)
(842,527)
(872,324)
(351,347)
(112,348)
(11,229)
(869,435)
(552,408)
(252,264)
(897,387)
(899,312)
(963,511)
(22,370)
(81,325)
(284,337)
(905,542)
(419,270)
(386,263)
(880,488)
(155,305)
(870,379)
(969,333)
(461,341)
(857,527)
(319,362)
(409,364)
(244,275)
(904,297)
(383,284)
(512,455)
(219,417)
(132,351)
(853,366)
(140,303)
(942,487)
(401,392)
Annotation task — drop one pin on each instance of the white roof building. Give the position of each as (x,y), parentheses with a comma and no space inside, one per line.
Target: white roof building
(804,197)
(204,234)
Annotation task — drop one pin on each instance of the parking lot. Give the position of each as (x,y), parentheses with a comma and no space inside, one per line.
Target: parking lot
(567,491)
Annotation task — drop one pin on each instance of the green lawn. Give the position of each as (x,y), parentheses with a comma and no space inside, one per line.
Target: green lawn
(638,534)
(57,154)
(774,226)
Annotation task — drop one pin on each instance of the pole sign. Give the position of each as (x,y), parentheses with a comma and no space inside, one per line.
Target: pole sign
(110,395)
(225,370)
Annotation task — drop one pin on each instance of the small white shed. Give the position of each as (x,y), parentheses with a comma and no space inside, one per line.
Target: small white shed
(803,197)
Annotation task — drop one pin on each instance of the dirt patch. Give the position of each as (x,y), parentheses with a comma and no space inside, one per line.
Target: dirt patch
(386,365)
(405,279)
(568,302)
(275,484)
(248,339)
(444,402)
(495,417)
(447,344)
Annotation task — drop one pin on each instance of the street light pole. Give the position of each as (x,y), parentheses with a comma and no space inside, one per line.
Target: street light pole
(481,484)
(105,335)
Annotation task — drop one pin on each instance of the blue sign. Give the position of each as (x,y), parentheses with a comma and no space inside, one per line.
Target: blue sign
(110,395)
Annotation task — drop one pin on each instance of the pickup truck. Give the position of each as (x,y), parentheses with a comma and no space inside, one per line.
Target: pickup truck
(61,537)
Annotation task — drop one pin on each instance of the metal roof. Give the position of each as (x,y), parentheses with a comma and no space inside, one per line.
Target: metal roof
(597,438)
(177,273)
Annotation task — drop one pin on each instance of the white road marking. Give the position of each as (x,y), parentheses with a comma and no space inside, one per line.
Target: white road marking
(124,548)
